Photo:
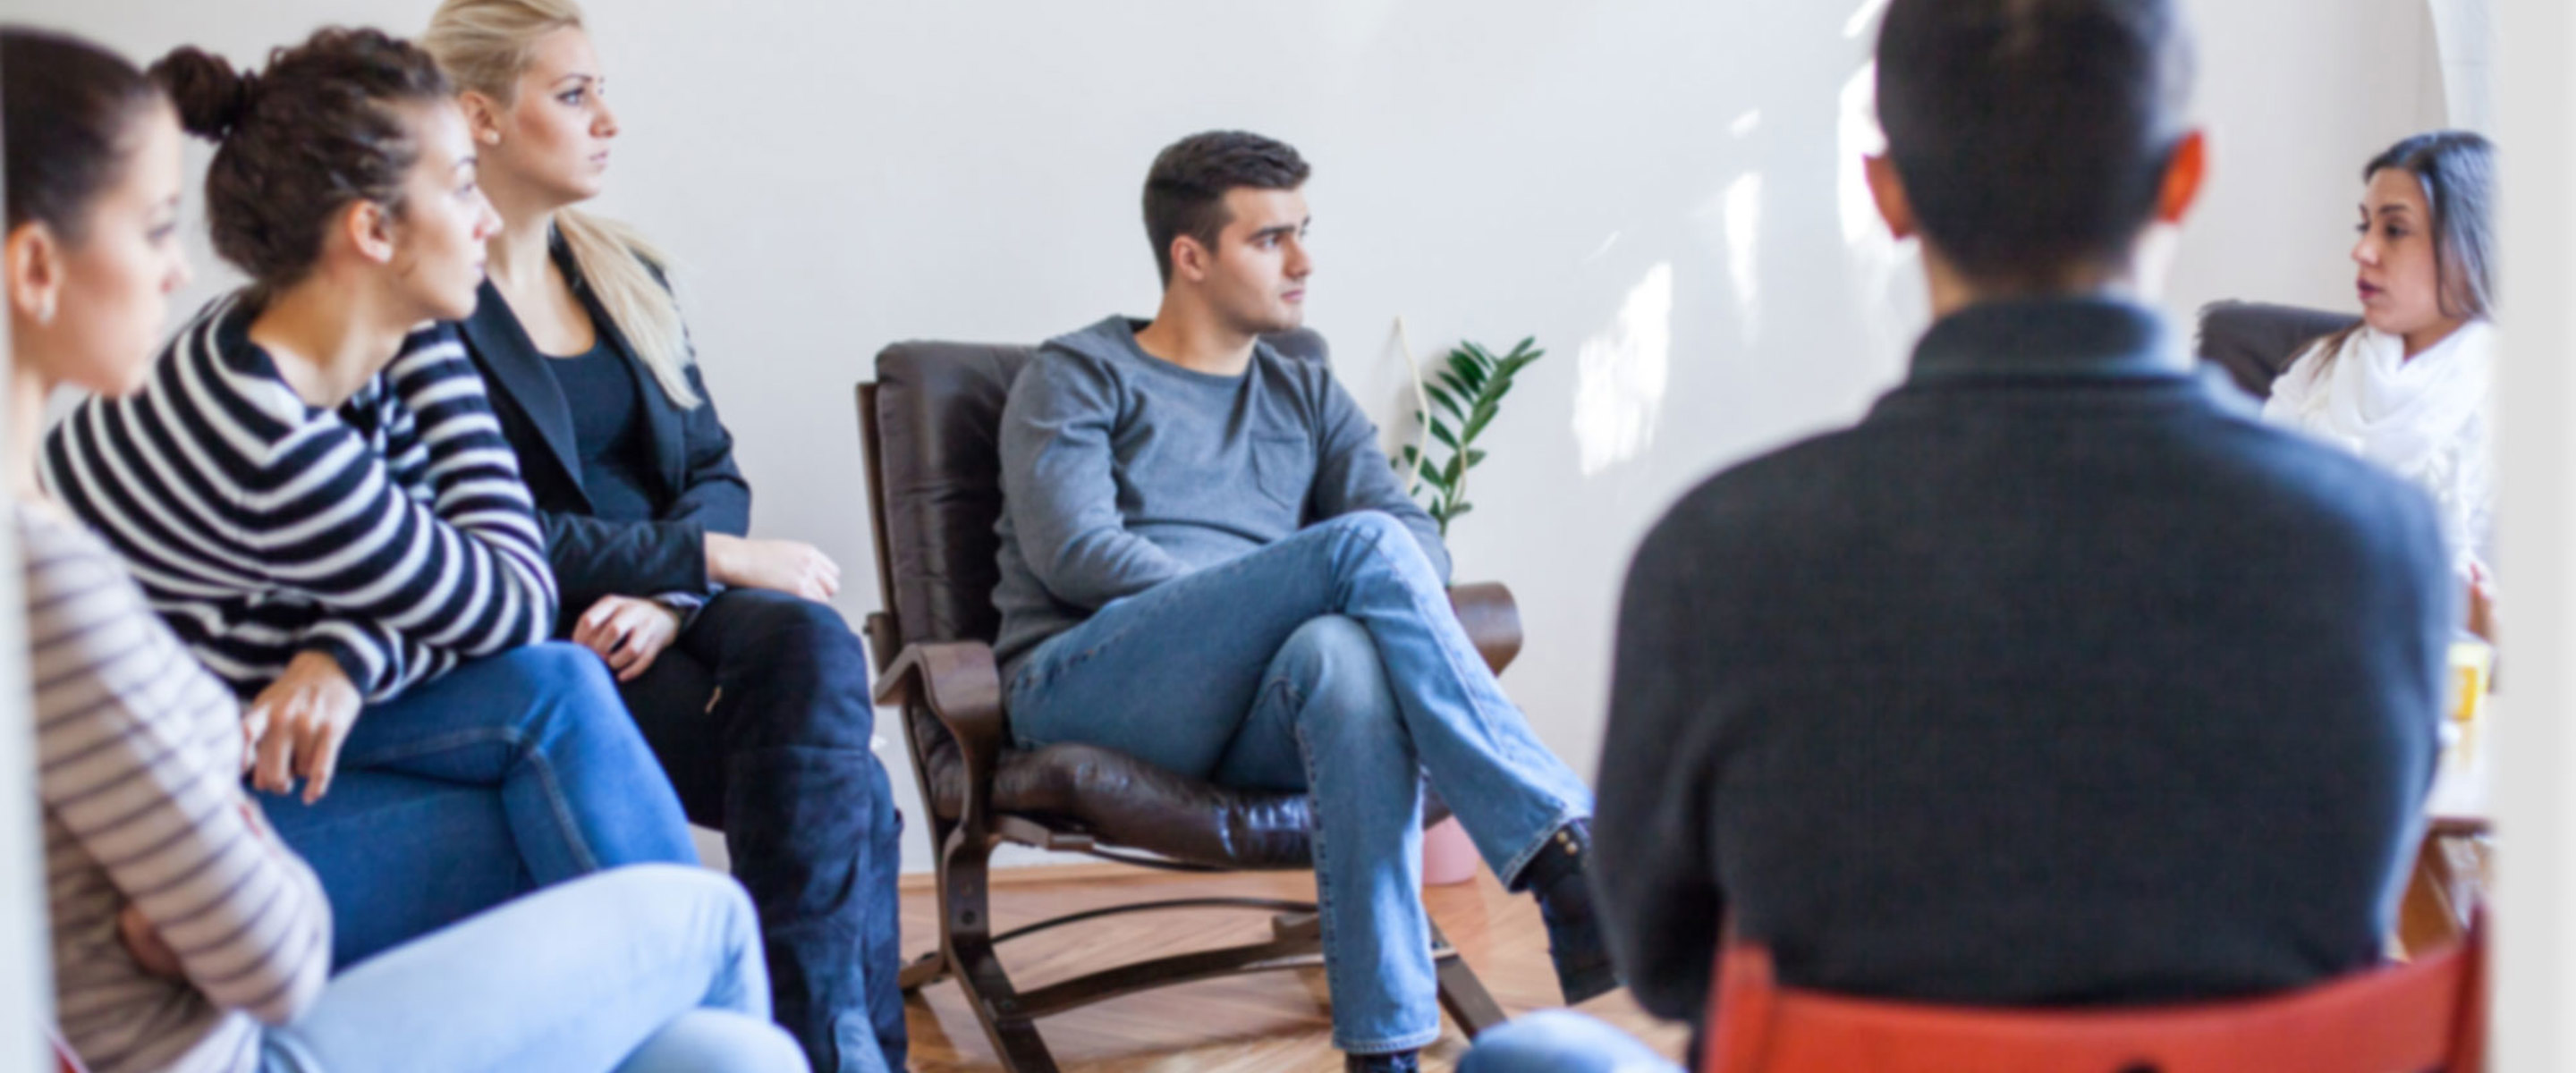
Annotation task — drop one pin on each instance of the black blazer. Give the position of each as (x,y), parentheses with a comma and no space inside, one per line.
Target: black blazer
(699,488)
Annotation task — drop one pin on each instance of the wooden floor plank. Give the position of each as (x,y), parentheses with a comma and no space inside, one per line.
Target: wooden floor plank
(1278,1022)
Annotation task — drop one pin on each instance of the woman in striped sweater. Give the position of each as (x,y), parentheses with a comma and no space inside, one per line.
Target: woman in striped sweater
(185,935)
(312,492)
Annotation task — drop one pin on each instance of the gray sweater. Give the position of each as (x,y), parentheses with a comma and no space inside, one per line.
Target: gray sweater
(1121,471)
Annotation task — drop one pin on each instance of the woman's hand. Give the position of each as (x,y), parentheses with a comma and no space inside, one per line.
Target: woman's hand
(792,567)
(2481,603)
(299,723)
(627,632)
(145,944)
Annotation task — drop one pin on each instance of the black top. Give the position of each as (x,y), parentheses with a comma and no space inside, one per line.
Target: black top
(2060,678)
(604,393)
(684,463)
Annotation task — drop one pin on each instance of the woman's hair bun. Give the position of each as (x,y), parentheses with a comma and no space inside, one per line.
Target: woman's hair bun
(210,94)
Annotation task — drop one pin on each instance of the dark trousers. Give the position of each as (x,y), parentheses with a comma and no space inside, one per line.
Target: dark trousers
(760,714)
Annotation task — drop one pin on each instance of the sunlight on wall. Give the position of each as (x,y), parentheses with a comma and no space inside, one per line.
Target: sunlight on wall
(1743,246)
(1621,374)
(1861,19)
(1878,261)
(1855,136)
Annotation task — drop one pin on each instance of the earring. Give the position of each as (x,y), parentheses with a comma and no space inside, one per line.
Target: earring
(45,311)
(491,137)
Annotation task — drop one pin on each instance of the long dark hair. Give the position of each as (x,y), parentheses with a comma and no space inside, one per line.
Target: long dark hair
(300,140)
(68,108)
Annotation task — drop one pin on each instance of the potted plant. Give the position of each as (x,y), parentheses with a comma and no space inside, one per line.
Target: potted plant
(1454,408)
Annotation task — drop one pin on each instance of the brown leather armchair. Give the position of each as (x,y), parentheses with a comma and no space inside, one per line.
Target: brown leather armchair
(929,422)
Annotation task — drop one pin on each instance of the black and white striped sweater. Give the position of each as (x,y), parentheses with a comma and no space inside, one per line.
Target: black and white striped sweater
(391,533)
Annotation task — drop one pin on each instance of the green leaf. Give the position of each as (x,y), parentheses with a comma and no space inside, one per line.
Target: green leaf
(1431,475)
(1457,468)
(1441,433)
(1462,508)
(1408,456)
(1464,365)
(1475,458)
(1445,399)
(1476,422)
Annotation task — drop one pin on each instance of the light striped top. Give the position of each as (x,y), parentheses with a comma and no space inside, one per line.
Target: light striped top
(140,758)
(392,533)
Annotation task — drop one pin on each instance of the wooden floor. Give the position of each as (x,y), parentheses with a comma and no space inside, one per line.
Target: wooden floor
(1270,1022)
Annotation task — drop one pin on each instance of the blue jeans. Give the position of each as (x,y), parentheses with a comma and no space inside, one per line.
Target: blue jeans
(508,773)
(1328,662)
(760,713)
(649,969)
(1561,1041)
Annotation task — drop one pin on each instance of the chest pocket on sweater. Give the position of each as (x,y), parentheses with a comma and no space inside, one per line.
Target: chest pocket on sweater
(1283,467)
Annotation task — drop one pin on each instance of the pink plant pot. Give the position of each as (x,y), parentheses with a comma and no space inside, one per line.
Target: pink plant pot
(1448,856)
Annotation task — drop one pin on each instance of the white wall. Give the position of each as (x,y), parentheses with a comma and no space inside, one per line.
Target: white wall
(1660,192)
(2535,944)
(26,957)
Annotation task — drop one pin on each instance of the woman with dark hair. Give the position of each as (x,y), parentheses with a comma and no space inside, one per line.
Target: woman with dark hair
(185,935)
(2408,387)
(312,491)
(750,688)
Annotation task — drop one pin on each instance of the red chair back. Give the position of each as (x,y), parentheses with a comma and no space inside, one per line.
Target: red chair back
(2429,1014)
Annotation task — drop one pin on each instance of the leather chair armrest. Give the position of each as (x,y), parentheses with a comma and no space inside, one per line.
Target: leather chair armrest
(958,682)
(1492,620)
(2459,827)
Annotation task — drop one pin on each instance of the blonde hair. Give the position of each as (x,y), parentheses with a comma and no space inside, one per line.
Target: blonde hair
(485,45)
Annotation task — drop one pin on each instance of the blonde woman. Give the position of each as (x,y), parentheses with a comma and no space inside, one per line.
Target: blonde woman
(751,690)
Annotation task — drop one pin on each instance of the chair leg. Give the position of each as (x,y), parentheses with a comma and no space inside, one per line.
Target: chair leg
(1461,993)
(1306,926)
(930,968)
(966,946)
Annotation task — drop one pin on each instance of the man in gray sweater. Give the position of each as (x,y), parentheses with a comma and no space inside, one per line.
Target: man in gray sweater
(1208,564)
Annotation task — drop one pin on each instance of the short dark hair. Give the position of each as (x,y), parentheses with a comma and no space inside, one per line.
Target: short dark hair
(1185,190)
(2457,170)
(2032,135)
(299,141)
(67,110)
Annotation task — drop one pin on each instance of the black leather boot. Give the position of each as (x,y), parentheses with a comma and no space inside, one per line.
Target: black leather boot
(1574,942)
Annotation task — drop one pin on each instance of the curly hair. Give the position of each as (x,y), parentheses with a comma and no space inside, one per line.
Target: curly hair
(297,142)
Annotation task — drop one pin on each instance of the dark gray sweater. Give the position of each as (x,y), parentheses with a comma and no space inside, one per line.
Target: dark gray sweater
(2060,678)
(1121,471)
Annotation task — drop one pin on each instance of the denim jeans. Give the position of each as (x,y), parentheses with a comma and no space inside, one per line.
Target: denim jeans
(1561,1041)
(1328,662)
(511,772)
(648,969)
(760,713)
